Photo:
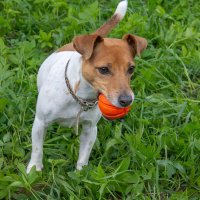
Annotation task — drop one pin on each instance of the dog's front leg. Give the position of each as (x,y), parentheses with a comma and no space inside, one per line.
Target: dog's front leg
(87,140)
(38,133)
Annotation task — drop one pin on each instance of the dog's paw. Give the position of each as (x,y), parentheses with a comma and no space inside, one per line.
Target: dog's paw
(39,166)
(80,166)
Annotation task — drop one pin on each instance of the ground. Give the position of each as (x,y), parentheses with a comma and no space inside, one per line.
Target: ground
(154,153)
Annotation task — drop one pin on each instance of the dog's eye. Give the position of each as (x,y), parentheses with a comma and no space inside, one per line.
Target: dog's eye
(104,70)
(131,69)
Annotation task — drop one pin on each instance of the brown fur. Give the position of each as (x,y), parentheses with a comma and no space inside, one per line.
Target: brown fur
(67,47)
(85,44)
(108,26)
(136,43)
(115,54)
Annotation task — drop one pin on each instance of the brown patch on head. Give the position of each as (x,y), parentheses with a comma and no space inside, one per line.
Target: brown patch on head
(114,55)
(108,64)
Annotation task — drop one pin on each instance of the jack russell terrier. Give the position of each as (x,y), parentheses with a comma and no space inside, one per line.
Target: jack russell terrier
(71,78)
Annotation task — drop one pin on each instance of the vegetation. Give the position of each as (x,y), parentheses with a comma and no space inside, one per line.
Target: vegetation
(154,153)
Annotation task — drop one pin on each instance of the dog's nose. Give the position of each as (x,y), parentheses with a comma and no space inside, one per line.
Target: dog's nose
(125,100)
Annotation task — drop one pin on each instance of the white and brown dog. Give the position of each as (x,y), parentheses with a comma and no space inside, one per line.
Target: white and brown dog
(90,65)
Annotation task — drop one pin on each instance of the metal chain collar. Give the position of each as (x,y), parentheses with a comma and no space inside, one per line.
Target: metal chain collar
(86,104)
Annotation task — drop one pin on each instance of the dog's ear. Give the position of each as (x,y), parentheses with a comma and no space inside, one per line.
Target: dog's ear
(85,44)
(136,43)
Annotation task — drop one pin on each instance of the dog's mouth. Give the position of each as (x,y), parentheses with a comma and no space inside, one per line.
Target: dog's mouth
(121,101)
(110,111)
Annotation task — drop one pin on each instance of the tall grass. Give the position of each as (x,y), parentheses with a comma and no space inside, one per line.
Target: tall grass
(153,153)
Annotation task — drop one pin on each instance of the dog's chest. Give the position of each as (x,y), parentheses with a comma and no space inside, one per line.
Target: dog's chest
(55,102)
(73,114)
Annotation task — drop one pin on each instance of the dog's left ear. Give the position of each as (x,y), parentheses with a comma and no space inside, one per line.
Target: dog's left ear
(85,44)
(136,43)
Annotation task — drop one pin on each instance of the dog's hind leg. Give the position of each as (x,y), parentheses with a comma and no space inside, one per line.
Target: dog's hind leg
(38,133)
(87,140)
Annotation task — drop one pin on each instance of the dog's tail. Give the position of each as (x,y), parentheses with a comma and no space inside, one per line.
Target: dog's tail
(114,20)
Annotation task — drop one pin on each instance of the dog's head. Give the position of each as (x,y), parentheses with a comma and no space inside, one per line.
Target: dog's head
(108,64)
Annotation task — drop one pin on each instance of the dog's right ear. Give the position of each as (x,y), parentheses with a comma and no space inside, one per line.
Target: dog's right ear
(85,44)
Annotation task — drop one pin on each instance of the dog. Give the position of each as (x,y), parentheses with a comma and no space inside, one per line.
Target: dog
(70,80)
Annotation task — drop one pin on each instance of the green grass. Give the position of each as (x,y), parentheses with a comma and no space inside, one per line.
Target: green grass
(154,153)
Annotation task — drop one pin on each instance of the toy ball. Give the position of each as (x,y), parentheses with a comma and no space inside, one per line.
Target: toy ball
(110,111)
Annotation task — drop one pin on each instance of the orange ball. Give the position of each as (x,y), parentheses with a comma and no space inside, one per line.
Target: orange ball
(110,111)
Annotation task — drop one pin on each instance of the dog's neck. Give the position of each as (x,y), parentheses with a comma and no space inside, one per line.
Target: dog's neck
(78,83)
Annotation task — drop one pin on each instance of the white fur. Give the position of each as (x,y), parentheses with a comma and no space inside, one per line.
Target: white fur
(55,104)
(122,8)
